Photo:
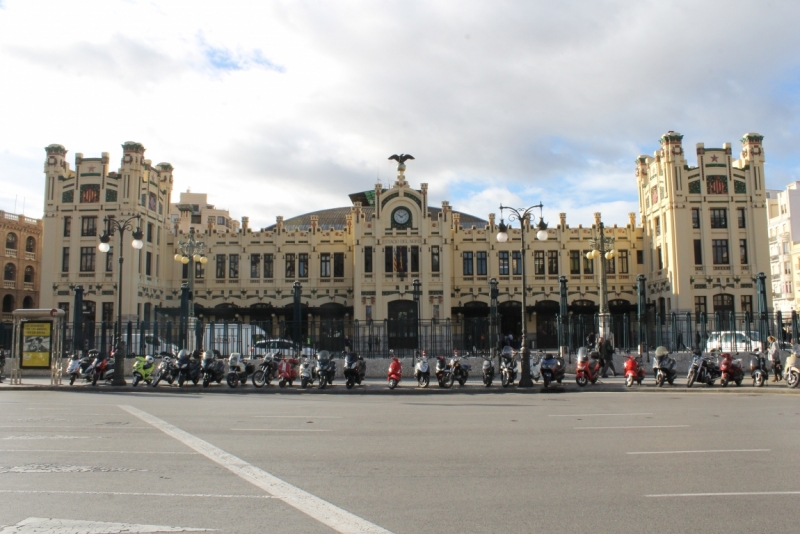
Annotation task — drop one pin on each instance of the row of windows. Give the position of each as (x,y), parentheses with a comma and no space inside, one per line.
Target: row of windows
(719,217)
(723,303)
(10,273)
(11,242)
(89,228)
(719,251)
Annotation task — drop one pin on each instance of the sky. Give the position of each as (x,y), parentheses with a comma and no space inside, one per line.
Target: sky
(281,108)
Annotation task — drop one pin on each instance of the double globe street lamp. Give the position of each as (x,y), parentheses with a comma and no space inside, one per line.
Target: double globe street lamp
(602,247)
(113,224)
(522,215)
(192,251)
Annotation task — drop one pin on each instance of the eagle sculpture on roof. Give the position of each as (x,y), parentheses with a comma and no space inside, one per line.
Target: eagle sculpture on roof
(401,160)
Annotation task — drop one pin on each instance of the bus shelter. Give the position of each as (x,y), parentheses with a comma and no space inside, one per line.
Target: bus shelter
(37,343)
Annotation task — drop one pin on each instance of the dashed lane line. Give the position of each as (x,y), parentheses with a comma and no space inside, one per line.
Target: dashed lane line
(700,452)
(280,429)
(326,513)
(626,427)
(95,452)
(138,494)
(598,414)
(733,494)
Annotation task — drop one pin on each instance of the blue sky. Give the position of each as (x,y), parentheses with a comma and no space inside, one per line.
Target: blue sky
(279,108)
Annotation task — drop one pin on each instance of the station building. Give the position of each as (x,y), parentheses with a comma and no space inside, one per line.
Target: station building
(700,239)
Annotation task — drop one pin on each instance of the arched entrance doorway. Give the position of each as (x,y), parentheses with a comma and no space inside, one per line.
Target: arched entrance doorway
(622,311)
(723,312)
(582,321)
(475,333)
(511,320)
(402,324)
(330,328)
(546,324)
(27,303)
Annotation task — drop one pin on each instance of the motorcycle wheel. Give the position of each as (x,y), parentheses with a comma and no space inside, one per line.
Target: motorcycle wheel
(723,383)
(581,381)
(392,383)
(206,382)
(758,379)
(233,380)
(94,380)
(691,378)
(462,381)
(282,383)
(423,381)
(180,381)
(451,380)
(303,383)
(738,382)
(504,380)
(659,380)
(487,381)
(350,383)
(546,380)
(136,379)
(71,379)
(156,380)
(671,380)
(322,382)
(259,379)
(792,379)
(628,381)
(196,380)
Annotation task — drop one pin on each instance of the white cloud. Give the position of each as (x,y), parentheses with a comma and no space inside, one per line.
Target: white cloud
(282,108)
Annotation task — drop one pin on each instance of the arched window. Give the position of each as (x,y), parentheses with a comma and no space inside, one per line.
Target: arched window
(8,304)
(30,244)
(29,274)
(27,303)
(11,241)
(10,272)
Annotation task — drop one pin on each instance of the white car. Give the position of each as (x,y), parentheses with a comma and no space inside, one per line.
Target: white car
(284,347)
(735,341)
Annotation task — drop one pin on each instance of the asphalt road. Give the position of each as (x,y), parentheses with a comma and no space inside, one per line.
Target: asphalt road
(588,462)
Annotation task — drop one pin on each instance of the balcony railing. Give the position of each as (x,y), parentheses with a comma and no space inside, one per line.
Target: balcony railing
(30,256)
(9,284)
(11,253)
(27,286)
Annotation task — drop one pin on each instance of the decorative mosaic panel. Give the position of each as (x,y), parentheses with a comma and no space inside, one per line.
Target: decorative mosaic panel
(68,196)
(717,185)
(740,188)
(694,187)
(90,193)
(111,195)
(654,195)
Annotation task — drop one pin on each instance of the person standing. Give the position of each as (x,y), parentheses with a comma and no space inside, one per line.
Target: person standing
(697,341)
(590,340)
(2,362)
(607,352)
(774,352)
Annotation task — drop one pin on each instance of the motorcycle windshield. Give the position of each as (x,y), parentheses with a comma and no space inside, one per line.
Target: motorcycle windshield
(350,359)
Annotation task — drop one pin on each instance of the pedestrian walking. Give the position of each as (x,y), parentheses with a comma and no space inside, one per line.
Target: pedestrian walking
(347,346)
(2,362)
(697,341)
(681,345)
(590,340)
(607,351)
(774,353)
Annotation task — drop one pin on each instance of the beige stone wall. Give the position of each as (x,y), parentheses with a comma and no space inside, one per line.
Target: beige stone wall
(21,254)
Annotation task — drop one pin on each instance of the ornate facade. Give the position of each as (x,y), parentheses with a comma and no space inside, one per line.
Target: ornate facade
(702,238)
(22,259)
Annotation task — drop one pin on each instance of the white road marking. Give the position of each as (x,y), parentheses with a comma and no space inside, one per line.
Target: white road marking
(626,427)
(597,414)
(54,468)
(94,452)
(738,494)
(326,513)
(39,525)
(85,427)
(280,429)
(50,437)
(140,494)
(700,452)
(296,416)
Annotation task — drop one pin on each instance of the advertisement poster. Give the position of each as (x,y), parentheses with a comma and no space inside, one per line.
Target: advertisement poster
(36,344)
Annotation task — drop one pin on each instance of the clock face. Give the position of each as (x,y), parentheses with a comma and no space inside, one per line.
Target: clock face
(401,216)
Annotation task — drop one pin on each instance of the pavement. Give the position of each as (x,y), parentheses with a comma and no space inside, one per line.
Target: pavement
(73,461)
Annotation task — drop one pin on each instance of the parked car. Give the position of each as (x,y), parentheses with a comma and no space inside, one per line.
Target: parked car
(232,338)
(733,341)
(284,347)
(153,345)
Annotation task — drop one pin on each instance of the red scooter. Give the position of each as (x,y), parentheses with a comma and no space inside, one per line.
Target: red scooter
(286,371)
(395,373)
(634,371)
(731,370)
(585,371)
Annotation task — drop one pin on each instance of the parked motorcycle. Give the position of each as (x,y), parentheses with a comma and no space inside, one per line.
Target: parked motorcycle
(239,369)
(395,373)
(731,370)
(488,369)
(287,373)
(704,369)
(76,367)
(189,367)
(306,373)
(443,372)
(634,370)
(354,369)
(585,370)
(759,371)
(212,368)
(422,371)
(508,367)
(143,369)
(459,371)
(792,370)
(166,370)
(267,370)
(325,369)
(101,368)
(552,367)
(664,367)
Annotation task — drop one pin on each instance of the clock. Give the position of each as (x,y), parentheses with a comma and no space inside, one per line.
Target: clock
(401,218)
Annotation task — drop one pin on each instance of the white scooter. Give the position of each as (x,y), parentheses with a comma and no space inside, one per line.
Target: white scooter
(421,370)
(306,377)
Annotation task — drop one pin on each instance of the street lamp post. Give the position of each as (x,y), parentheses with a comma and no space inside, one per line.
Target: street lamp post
(191,252)
(120,226)
(522,215)
(602,247)
(417,284)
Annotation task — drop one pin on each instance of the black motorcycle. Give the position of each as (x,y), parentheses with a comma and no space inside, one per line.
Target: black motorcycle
(239,369)
(354,369)
(508,367)
(267,370)
(704,369)
(459,371)
(212,369)
(664,368)
(443,372)
(325,369)
(552,367)
(189,367)
(166,370)
(488,370)
(759,371)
